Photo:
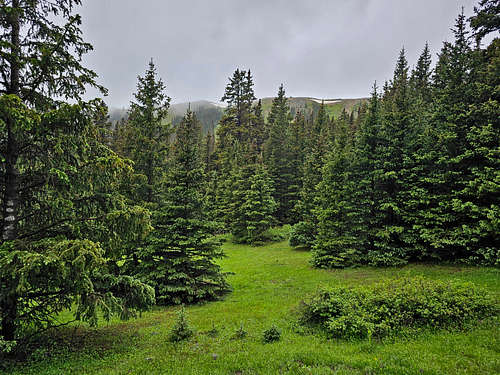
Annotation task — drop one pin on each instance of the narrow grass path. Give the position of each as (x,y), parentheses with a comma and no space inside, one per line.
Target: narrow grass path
(269,282)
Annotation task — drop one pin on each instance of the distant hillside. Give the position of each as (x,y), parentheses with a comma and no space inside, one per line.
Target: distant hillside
(209,113)
(309,105)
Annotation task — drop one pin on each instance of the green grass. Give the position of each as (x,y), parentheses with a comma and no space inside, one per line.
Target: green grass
(269,282)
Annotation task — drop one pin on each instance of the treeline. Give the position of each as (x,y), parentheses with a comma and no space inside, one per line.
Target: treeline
(413,175)
(420,178)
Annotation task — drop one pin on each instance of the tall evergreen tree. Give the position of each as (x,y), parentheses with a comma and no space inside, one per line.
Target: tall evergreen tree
(259,132)
(333,245)
(179,258)
(277,158)
(296,143)
(396,135)
(147,133)
(236,122)
(458,220)
(63,219)
(259,206)
(421,75)
(304,232)
(348,217)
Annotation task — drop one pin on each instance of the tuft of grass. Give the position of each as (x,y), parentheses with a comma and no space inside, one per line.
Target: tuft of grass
(269,282)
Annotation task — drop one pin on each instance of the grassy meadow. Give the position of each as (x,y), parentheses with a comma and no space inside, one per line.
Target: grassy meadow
(269,282)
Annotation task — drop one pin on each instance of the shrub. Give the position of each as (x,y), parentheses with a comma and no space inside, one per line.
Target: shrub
(394,304)
(280,233)
(302,234)
(181,330)
(271,334)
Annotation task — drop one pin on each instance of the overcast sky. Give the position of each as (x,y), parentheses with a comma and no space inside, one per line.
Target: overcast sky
(321,48)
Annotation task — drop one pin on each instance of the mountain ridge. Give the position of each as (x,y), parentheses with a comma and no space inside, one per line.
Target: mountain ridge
(209,112)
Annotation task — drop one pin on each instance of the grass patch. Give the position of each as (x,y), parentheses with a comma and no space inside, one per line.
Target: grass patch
(269,282)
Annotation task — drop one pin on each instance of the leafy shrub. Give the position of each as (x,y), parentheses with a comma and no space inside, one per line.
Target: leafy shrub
(391,305)
(271,334)
(181,330)
(302,234)
(274,234)
(280,233)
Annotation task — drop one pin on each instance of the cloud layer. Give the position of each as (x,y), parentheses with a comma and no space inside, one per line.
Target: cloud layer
(322,48)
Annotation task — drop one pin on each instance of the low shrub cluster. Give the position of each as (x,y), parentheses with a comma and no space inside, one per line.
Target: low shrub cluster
(182,331)
(394,304)
(302,234)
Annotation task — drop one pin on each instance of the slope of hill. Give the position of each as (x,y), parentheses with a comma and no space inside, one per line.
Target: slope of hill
(311,105)
(209,113)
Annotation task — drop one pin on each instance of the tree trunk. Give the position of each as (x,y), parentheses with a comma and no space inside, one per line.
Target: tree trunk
(9,300)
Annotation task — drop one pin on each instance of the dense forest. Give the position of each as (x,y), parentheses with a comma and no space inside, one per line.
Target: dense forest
(110,219)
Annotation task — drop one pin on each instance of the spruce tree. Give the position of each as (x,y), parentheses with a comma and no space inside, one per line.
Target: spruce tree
(420,79)
(179,258)
(147,133)
(277,158)
(64,220)
(259,130)
(259,206)
(458,223)
(295,143)
(394,155)
(236,121)
(316,146)
(348,216)
(333,246)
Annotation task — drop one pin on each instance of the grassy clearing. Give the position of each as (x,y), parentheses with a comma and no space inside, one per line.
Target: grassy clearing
(268,283)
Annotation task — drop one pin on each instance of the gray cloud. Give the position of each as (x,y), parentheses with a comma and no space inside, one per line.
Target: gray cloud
(322,48)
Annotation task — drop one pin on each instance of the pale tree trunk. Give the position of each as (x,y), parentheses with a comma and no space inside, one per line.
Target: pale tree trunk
(9,302)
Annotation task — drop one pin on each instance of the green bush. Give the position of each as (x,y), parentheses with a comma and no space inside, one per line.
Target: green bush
(271,334)
(280,233)
(181,330)
(391,305)
(302,234)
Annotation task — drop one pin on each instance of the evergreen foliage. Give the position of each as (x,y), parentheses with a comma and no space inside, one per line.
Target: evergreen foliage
(278,156)
(259,206)
(179,256)
(64,219)
(181,330)
(146,134)
(104,218)
(421,179)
